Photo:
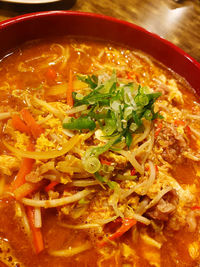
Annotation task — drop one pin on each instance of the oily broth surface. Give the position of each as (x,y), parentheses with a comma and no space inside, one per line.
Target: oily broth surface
(25,69)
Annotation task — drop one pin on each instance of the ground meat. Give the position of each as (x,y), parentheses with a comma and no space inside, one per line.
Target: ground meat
(165,207)
(172,143)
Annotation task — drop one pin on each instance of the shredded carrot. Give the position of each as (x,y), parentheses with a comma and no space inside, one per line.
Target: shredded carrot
(50,186)
(25,168)
(51,75)
(137,77)
(104,161)
(36,130)
(158,129)
(36,232)
(19,125)
(130,75)
(156,167)
(179,123)
(195,208)
(133,76)
(26,189)
(188,130)
(127,223)
(70,101)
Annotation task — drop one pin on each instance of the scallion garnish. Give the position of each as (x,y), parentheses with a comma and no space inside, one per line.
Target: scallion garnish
(118,109)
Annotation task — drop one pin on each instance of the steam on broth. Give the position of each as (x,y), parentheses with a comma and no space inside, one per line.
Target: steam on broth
(99,162)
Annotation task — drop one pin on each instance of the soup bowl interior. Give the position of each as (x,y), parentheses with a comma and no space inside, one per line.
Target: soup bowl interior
(28,27)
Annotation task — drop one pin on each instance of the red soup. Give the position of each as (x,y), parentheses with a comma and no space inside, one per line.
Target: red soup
(99,162)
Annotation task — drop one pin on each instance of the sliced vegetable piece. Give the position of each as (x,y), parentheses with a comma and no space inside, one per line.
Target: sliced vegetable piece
(179,123)
(96,151)
(36,232)
(128,138)
(91,164)
(102,180)
(19,125)
(105,161)
(26,189)
(70,100)
(188,130)
(127,223)
(195,207)
(25,168)
(81,123)
(51,186)
(158,129)
(36,130)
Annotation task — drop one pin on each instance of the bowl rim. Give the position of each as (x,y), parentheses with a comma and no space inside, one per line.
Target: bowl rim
(28,16)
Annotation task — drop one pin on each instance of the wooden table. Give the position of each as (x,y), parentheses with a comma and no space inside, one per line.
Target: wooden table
(178,22)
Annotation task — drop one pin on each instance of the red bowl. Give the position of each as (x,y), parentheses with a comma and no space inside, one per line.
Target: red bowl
(18,30)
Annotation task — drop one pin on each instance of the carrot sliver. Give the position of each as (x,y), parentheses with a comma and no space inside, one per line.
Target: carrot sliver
(195,208)
(35,129)
(130,75)
(188,130)
(70,101)
(36,232)
(50,186)
(19,125)
(179,123)
(106,162)
(127,223)
(25,168)
(26,189)
(158,129)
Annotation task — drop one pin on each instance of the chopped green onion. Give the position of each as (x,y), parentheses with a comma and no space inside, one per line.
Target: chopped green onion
(92,81)
(107,168)
(141,100)
(133,127)
(110,126)
(101,179)
(96,151)
(118,110)
(91,164)
(148,115)
(128,138)
(80,124)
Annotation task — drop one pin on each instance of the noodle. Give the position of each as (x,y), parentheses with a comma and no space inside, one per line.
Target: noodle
(5,115)
(80,226)
(70,251)
(45,155)
(56,202)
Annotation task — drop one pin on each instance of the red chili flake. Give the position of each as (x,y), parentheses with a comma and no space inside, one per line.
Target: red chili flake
(133,172)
